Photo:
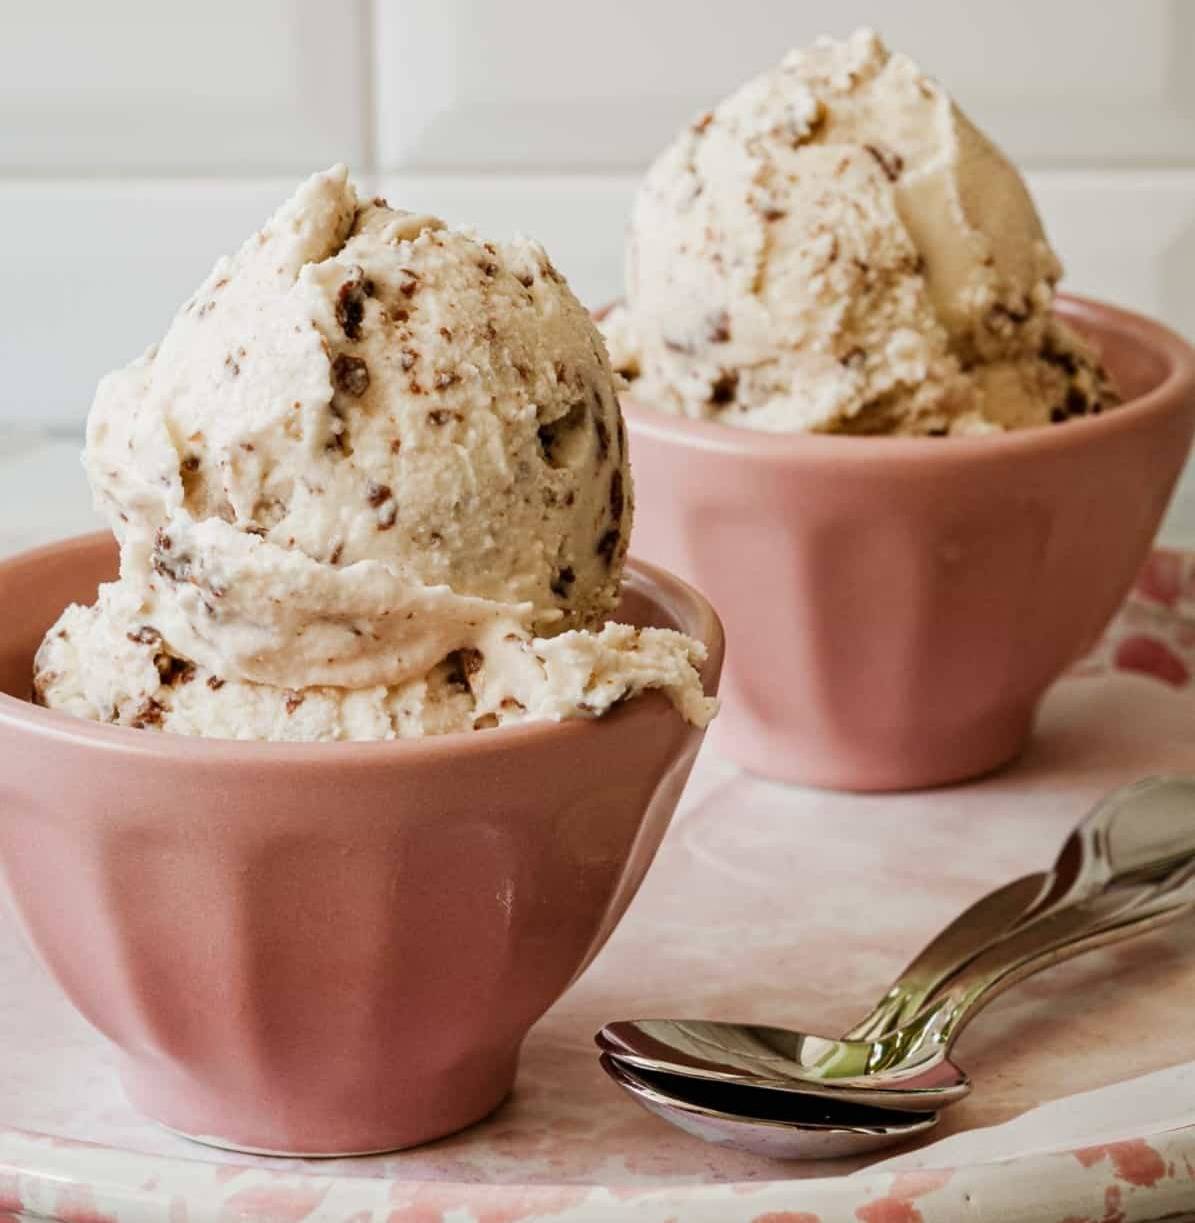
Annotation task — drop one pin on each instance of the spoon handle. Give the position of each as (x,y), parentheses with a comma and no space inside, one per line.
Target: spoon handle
(1119,911)
(987,920)
(1145,822)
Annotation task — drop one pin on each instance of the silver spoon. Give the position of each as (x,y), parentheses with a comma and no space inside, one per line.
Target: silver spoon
(983,924)
(782,1124)
(1130,844)
(1125,868)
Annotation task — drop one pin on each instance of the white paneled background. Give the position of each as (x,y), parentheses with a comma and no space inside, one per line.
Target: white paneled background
(140,139)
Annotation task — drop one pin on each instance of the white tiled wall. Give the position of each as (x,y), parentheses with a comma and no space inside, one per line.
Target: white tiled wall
(145,87)
(543,83)
(139,139)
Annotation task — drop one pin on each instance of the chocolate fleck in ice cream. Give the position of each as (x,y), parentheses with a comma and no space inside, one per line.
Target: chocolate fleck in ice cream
(373,483)
(835,248)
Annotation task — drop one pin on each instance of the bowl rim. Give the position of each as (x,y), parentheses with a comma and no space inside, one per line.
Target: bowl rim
(1172,394)
(663,589)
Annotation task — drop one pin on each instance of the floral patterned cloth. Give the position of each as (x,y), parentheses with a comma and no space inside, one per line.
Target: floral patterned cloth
(1154,631)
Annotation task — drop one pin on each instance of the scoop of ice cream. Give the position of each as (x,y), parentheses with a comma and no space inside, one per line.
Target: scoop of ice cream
(359,408)
(369,445)
(835,247)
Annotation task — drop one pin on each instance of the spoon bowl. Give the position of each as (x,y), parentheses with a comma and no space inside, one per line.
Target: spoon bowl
(776,1125)
(754,1057)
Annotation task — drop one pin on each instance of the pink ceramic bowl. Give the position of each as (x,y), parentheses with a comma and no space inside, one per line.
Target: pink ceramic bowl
(895,607)
(330,948)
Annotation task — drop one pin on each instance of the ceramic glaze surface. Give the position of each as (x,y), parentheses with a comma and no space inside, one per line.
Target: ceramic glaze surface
(328,948)
(895,607)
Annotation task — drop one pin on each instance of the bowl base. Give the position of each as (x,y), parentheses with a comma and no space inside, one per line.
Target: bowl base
(267,1119)
(873,764)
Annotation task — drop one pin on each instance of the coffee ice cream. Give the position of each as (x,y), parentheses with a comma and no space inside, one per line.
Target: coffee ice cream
(836,248)
(372,483)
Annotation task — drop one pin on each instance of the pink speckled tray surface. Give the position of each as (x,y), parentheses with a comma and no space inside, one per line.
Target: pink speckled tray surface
(765,902)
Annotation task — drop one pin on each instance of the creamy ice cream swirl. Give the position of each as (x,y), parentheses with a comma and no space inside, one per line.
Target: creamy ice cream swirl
(369,445)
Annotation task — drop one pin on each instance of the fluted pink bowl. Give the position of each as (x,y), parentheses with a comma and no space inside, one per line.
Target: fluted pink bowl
(328,948)
(896,607)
